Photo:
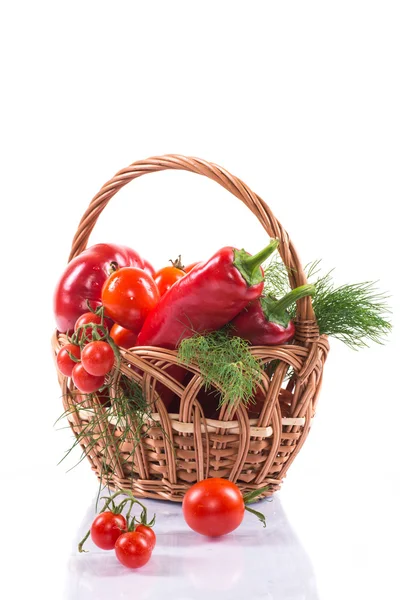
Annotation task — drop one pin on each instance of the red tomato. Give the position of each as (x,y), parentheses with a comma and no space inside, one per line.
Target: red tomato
(98,358)
(148,267)
(128,295)
(213,507)
(106,529)
(65,363)
(84,381)
(166,277)
(89,317)
(132,549)
(83,279)
(123,337)
(148,532)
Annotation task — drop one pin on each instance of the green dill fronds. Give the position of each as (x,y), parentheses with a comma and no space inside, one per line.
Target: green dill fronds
(355,313)
(224,361)
(276,279)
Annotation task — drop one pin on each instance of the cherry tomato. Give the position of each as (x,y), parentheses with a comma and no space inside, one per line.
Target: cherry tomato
(84,381)
(132,549)
(123,337)
(128,295)
(65,363)
(89,317)
(106,529)
(213,507)
(148,532)
(166,277)
(98,358)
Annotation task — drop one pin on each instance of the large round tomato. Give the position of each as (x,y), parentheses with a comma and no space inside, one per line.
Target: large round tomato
(106,529)
(166,277)
(128,295)
(213,507)
(133,549)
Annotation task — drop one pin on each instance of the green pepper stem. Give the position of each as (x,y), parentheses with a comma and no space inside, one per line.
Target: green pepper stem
(249,266)
(255,261)
(303,290)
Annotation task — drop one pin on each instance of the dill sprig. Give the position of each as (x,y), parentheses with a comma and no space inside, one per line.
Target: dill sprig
(126,419)
(355,313)
(224,361)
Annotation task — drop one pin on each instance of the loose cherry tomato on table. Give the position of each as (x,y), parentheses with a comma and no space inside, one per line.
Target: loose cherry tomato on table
(148,532)
(84,381)
(213,507)
(167,276)
(106,529)
(128,295)
(123,337)
(65,363)
(133,549)
(98,358)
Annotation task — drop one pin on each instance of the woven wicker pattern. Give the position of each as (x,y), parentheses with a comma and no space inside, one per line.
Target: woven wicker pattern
(187,447)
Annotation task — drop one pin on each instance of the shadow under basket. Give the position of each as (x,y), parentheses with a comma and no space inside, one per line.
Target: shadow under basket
(185,436)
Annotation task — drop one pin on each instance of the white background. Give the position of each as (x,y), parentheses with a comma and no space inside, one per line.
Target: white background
(301,101)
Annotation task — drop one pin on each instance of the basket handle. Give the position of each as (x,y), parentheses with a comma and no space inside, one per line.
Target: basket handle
(234,185)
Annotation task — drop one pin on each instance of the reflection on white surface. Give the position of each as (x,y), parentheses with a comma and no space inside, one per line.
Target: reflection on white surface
(250,563)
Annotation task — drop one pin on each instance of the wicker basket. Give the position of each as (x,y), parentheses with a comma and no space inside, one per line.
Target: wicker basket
(187,447)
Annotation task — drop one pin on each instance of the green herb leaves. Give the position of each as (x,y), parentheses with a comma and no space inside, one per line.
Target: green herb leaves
(224,361)
(355,313)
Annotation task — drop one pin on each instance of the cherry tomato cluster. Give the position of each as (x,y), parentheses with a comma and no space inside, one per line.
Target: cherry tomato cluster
(89,357)
(212,507)
(132,542)
(127,296)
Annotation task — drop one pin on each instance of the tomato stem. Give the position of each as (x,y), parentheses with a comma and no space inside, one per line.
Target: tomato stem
(177,263)
(258,514)
(250,497)
(118,508)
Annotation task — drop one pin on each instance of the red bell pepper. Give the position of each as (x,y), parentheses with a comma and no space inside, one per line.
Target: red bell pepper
(207,298)
(266,322)
(83,280)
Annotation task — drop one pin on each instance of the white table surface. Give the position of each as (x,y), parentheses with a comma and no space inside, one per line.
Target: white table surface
(319,543)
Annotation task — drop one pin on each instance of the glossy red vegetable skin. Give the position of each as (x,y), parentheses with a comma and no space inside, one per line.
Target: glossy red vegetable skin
(106,529)
(148,267)
(126,338)
(83,280)
(166,277)
(133,549)
(213,507)
(266,322)
(252,325)
(148,533)
(189,268)
(207,298)
(128,295)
